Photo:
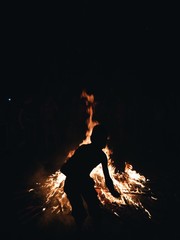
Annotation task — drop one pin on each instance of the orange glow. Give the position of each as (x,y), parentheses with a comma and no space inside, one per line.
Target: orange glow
(90,123)
(129,183)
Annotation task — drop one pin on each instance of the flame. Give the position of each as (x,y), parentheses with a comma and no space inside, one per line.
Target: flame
(129,183)
(90,123)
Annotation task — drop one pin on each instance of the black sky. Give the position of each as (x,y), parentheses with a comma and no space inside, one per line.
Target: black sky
(86,39)
(125,56)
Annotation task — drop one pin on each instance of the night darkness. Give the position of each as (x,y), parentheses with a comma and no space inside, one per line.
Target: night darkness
(126,59)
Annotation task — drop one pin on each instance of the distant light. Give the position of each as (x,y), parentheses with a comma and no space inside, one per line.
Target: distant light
(9,99)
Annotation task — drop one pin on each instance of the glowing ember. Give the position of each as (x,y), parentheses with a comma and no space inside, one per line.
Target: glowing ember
(129,183)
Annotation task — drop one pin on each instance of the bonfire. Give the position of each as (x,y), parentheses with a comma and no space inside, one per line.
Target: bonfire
(131,185)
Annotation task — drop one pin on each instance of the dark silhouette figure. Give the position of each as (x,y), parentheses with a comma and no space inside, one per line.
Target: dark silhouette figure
(79,186)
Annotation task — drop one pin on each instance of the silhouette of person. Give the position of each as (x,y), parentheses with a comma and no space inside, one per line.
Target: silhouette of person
(79,186)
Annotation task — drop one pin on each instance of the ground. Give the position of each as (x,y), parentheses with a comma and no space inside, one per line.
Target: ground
(19,221)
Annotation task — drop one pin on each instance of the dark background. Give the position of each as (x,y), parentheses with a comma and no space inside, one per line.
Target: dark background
(125,57)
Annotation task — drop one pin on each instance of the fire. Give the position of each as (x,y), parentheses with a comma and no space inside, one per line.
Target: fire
(129,183)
